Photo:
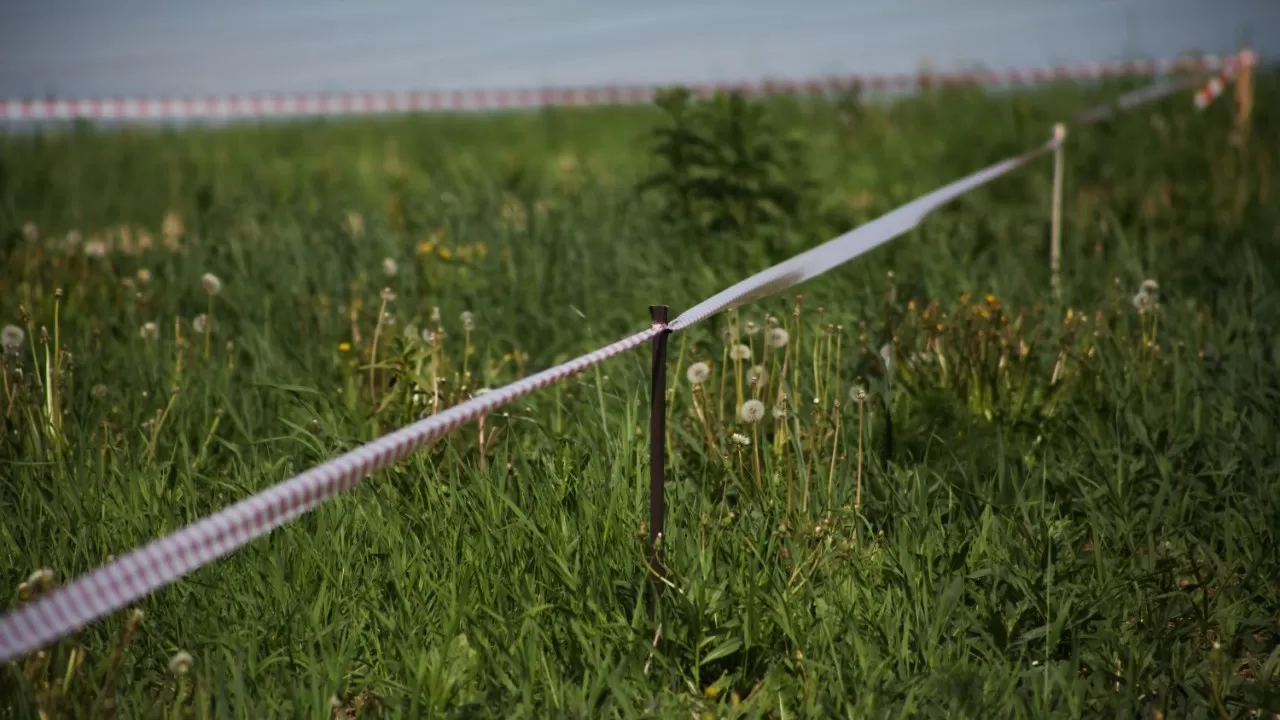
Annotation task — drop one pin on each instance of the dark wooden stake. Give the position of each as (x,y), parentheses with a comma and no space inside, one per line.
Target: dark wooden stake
(658,450)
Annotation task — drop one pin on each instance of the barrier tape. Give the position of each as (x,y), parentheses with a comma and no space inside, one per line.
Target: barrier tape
(329,104)
(124,580)
(153,566)
(1141,96)
(814,262)
(1211,91)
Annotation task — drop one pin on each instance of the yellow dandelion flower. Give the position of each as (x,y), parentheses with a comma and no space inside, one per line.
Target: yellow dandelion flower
(344,347)
(426,247)
(445,253)
(482,249)
(712,691)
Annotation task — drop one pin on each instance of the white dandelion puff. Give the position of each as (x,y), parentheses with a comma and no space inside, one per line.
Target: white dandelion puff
(752,328)
(180,663)
(698,373)
(751,412)
(779,412)
(468,320)
(11,338)
(886,354)
(200,323)
(149,331)
(1150,287)
(1142,302)
(389,267)
(858,394)
(387,294)
(211,284)
(95,248)
(740,353)
(757,375)
(777,337)
(741,439)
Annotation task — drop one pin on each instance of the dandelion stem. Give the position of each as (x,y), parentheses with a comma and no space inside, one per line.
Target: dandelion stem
(373,352)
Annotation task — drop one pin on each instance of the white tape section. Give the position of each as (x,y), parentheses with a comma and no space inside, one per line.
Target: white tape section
(846,247)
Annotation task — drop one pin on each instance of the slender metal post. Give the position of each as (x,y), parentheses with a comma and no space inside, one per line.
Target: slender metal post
(658,448)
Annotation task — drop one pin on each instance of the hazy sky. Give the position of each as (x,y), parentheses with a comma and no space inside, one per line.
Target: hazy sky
(148,47)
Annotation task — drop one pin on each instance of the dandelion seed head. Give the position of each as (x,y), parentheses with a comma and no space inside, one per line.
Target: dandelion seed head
(180,663)
(200,323)
(886,354)
(751,328)
(389,267)
(740,439)
(779,411)
(211,284)
(698,373)
(858,393)
(435,315)
(757,375)
(740,353)
(11,338)
(1150,287)
(31,232)
(1142,302)
(428,337)
(387,294)
(149,331)
(751,412)
(95,248)
(777,337)
(468,319)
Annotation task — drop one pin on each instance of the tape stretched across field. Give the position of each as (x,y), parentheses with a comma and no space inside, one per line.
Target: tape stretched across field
(129,578)
(380,103)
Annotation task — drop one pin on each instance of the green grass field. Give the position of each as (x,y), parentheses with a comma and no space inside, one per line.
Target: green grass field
(1079,516)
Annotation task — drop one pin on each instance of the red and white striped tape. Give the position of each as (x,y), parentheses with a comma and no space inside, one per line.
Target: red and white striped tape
(180,108)
(153,566)
(1210,92)
(160,563)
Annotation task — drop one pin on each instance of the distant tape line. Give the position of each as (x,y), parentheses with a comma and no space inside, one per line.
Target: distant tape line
(1151,93)
(329,104)
(163,561)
